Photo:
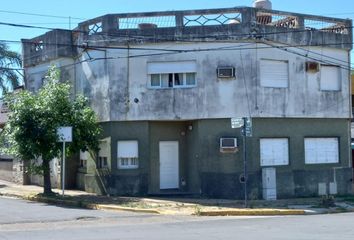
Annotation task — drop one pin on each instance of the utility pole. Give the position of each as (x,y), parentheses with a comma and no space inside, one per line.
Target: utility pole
(245,159)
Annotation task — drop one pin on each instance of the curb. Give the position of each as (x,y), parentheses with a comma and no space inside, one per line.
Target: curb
(50,200)
(80,204)
(228,212)
(119,208)
(252,212)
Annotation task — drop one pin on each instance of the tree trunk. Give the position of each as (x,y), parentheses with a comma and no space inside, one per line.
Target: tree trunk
(47,186)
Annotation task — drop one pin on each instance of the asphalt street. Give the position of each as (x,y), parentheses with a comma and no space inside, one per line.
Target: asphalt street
(27,220)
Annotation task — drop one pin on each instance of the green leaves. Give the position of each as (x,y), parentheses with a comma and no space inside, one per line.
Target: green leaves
(8,60)
(34,118)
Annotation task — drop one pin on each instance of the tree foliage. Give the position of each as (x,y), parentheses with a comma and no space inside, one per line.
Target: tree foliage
(31,131)
(8,76)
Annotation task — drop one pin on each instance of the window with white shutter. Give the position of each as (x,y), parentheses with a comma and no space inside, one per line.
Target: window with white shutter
(321,150)
(128,155)
(274,151)
(330,78)
(172,74)
(274,73)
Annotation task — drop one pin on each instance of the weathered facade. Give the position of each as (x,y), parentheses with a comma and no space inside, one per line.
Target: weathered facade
(166,84)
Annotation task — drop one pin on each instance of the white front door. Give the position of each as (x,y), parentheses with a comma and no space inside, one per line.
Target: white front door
(169,165)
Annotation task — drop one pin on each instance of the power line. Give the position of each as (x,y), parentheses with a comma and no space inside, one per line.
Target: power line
(177,51)
(345,67)
(93,47)
(168,50)
(172,37)
(45,23)
(26,26)
(171,53)
(41,15)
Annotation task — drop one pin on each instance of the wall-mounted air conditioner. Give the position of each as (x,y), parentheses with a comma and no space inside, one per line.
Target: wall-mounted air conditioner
(228,143)
(226,72)
(312,67)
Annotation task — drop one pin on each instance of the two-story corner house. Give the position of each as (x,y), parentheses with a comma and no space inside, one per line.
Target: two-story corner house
(166,84)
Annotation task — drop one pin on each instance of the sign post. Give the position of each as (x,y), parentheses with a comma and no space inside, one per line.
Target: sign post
(246,124)
(64,135)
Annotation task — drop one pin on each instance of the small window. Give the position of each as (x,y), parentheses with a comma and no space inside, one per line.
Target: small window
(172,80)
(102,162)
(83,159)
(128,154)
(330,78)
(274,151)
(104,154)
(321,150)
(172,74)
(274,73)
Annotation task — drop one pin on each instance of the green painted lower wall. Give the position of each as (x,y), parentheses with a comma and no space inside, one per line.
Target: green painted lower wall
(207,171)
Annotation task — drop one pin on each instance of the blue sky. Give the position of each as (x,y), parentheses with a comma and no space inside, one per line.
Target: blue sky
(86,9)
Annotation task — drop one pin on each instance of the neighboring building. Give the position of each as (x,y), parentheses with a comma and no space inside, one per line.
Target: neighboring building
(166,84)
(11,169)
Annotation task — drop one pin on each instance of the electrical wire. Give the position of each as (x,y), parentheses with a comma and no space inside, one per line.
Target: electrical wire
(227,48)
(41,15)
(172,37)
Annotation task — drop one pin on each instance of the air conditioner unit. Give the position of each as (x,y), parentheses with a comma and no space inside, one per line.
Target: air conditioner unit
(226,72)
(228,143)
(312,67)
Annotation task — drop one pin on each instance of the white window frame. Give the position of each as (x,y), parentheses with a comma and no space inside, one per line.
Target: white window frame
(172,68)
(266,84)
(339,79)
(132,160)
(266,143)
(314,153)
(183,85)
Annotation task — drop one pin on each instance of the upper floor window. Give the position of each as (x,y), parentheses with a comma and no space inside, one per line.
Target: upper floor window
(330,78)
(274,73)
(172,74)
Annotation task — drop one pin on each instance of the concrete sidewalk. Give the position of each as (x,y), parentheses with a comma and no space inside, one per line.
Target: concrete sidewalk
(173,206)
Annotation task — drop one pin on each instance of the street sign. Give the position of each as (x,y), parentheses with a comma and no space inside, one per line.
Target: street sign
(236,122)
(248,127)
(65,134)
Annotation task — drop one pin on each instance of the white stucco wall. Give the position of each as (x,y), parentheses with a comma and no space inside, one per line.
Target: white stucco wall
(112,81)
